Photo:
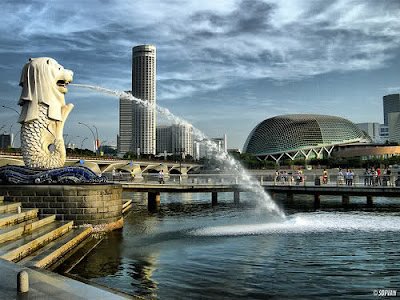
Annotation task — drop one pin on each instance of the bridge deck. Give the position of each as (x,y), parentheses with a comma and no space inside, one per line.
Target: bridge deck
(388,191)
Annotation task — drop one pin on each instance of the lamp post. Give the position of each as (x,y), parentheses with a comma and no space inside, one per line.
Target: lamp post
(97,140)
(4,106)
(83,141)
(94,137)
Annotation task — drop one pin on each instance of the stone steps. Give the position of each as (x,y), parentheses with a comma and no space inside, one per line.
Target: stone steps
(81,252)
(57,249)
(25,246)
(15,232)
(9,220)
(34,242)
(12,207)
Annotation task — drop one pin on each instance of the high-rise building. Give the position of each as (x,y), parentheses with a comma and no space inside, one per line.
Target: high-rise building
(164,139)
(391,103)
(383,133)
(372,129)
(394,127)
(182,139)
(124,140)
(6,140)
(137,130)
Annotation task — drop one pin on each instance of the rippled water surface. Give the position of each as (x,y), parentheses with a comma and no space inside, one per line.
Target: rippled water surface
(190,250)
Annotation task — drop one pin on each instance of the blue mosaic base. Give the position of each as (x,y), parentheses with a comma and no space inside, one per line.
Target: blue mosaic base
(64,175)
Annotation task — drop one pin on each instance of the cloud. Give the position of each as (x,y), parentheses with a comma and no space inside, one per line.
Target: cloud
(209,40)
(205,48)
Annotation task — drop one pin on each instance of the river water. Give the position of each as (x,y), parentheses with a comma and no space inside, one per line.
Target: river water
(191,250)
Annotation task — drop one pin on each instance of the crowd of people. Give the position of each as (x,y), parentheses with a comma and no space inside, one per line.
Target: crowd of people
(346,177)
(375,176)
(372,176)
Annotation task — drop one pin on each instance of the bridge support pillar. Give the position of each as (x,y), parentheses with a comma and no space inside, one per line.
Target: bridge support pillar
(289,197)
(236,197)
(317,201)
(370,201)
(214,198)
(153,201)
(345,200)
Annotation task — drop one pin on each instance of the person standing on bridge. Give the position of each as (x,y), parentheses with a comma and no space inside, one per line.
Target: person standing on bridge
(340,177)
(325,177)
(161,177)
(350,177)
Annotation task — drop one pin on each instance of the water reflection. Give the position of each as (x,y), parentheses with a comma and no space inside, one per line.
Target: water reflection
(190,249)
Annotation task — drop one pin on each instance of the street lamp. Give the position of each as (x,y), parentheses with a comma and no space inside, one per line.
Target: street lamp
(94,137)
(10,108)
(83,141)
(97,140)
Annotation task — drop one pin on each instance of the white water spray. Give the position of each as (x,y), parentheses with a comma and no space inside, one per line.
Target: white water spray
(235,167)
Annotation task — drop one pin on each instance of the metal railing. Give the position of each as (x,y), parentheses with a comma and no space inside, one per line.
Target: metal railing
(286,179)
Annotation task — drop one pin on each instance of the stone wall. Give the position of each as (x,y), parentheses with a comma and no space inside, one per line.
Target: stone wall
(84,204)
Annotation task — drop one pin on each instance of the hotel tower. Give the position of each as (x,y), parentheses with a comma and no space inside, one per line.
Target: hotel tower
(137,128)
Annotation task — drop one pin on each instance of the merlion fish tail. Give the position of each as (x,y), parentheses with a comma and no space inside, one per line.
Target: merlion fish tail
(42,141)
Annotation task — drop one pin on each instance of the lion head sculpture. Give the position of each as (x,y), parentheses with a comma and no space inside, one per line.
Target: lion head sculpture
(43,112)
(43,80)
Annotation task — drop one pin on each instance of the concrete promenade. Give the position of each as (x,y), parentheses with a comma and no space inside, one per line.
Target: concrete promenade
(47,285)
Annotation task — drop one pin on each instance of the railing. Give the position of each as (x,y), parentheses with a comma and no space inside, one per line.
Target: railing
(230,179)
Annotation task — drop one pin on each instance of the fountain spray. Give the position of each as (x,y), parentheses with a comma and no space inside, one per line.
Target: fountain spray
(244,179)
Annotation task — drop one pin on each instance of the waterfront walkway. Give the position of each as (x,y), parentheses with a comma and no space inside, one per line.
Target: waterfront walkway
(47,285)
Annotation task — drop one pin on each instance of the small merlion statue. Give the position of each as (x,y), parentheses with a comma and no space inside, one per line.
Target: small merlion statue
(43,113)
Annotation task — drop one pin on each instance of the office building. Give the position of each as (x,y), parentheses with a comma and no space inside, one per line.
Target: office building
(383,133)
(124,139)
(391,103)
(6,140)
(164,139)
(175,139)
(138,121)
(372,129)
(394,127)
(182,139)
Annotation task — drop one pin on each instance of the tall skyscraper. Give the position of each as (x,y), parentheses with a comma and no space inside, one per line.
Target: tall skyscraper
(137,130)
(391,103)
(144,87)
(124,140)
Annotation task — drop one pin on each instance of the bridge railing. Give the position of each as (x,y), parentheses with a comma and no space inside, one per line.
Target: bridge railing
(269,179)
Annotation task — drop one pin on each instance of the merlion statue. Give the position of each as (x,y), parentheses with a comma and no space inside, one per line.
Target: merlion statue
(43,112)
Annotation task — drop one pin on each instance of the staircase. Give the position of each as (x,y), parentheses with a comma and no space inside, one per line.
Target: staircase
(32,242)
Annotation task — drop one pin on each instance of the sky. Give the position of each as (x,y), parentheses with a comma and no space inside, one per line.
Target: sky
(224,66)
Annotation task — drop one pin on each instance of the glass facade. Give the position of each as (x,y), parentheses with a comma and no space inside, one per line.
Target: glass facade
(291,133)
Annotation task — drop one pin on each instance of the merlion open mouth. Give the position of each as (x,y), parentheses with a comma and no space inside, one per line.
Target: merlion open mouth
(62,83)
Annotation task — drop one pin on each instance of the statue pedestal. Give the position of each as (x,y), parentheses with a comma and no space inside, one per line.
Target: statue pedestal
(94,204)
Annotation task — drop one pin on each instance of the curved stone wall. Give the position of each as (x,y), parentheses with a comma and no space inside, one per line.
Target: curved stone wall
(84,204)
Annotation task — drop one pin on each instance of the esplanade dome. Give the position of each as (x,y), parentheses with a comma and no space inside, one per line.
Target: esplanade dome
(301,132)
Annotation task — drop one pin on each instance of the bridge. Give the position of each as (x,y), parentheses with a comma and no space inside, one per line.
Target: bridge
(214,184)
(106,165)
